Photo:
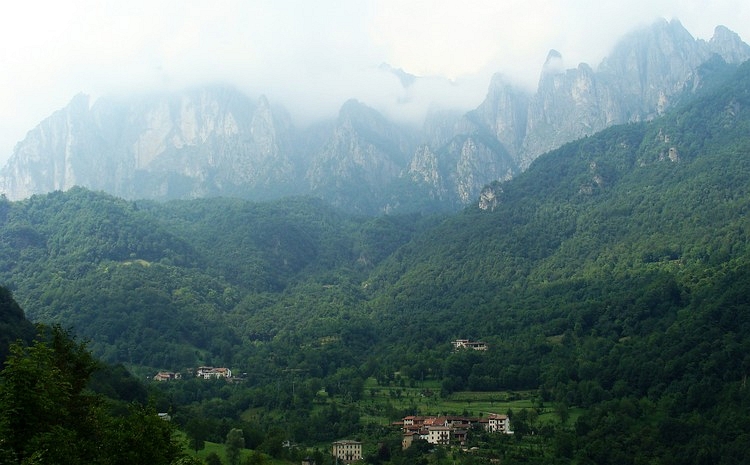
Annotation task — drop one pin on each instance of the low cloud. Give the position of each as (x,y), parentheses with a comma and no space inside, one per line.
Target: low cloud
(310,56)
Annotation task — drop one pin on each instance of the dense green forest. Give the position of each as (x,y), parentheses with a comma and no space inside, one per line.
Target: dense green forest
(610,283)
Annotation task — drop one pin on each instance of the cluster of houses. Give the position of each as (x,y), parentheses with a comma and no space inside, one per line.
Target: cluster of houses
(445,430)
(201,372)
(450,429)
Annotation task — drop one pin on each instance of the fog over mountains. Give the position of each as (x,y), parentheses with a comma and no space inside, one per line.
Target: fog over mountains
(216,141)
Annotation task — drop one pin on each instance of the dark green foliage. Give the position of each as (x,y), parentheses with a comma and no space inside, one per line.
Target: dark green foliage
(197,430)
(213,459)
(142,437)
(47,414)
(43,399)
(182,284)
(13,325)
(117,383)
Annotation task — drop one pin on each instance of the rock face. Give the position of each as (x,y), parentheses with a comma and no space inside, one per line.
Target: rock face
(639,79)
(216,141)
(364,154)
(47,159)
(203,142)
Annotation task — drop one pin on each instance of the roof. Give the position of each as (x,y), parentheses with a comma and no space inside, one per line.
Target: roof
(347,442)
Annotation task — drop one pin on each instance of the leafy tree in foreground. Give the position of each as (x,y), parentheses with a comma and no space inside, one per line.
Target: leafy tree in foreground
(142,437)
(47,414)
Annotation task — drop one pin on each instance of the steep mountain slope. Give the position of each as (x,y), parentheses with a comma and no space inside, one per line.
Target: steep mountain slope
(363,156)
(613,274)
(214,141)
(642,76)
(640,198)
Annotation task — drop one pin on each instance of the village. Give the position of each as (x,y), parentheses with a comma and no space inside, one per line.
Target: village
(208,372)
(204,372)
(437,430)
(448,430)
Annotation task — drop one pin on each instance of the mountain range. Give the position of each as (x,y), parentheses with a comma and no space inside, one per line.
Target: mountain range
(216,141)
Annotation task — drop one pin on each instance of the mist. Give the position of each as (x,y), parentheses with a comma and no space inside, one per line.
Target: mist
(310,57)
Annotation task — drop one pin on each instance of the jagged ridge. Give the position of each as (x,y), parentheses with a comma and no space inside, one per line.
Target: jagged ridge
(216,141)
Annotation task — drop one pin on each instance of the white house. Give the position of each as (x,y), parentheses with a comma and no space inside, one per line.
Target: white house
(439,435)
(498,423)
(347,451)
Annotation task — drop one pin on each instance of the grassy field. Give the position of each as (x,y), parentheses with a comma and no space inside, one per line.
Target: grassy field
(423,398)
(245,454)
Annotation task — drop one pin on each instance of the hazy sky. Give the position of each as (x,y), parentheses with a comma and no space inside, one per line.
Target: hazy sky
(308,55)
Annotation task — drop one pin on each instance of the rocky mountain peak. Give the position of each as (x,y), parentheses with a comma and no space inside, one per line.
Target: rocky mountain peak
(553,64)
(262,127)
(79,104)
(729,45)
(354,111)
(505,112)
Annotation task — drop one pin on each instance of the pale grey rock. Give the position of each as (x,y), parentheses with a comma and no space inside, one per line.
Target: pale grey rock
(364,154)
(568,105)
(729,45)
(46,159)
(442,125)
(636,82)
(505,113)
(201,142)
(649,65)
(489,198)
(468,163)
(476,167)
(424,169)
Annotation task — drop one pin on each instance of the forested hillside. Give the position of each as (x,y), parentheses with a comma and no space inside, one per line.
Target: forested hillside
(183,283)
(611,279)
